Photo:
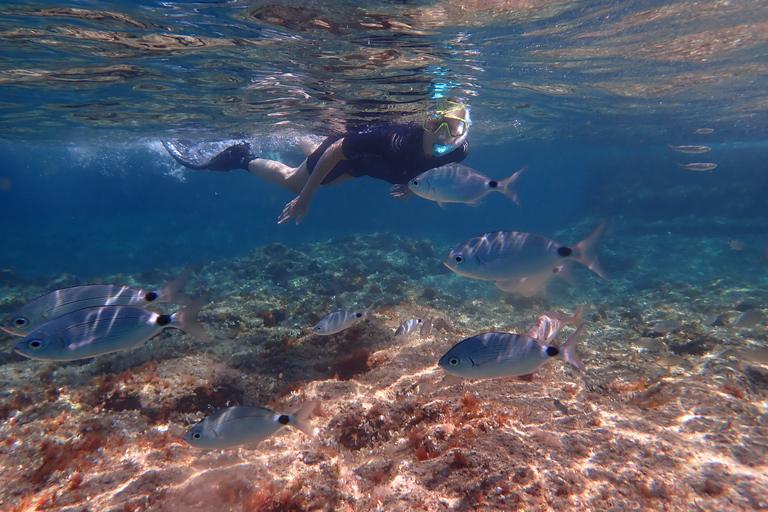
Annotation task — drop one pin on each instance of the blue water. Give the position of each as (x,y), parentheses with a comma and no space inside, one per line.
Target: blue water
(587,94)
(123,211)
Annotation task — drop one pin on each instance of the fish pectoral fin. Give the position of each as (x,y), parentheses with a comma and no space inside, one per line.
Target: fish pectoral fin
(507,285)
(441,204)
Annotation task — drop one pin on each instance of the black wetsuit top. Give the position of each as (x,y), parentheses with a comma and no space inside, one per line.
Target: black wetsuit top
(392,153)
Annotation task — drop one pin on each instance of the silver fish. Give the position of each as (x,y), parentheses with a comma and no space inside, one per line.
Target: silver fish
(704,131)
(647,343)
(234,426)
(750,318)
(698,166)
(457,183)
(95,331)
(497,354)
(669,361)
(691,150)
(667,326)
(509,255)
(60,302)
(755,355)
(548,325)
(340,320)
(409,326)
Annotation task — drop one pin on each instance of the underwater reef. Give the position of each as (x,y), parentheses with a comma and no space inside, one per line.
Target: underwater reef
(669,417)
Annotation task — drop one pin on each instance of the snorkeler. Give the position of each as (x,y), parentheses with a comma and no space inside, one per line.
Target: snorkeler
(395,153)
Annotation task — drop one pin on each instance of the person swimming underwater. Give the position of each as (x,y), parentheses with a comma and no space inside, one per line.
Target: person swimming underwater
(393,152)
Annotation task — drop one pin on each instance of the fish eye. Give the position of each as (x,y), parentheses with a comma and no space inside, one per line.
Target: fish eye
(415,183)
(35,344)
(197,435)
(20,322)
(458,258)
(454,361)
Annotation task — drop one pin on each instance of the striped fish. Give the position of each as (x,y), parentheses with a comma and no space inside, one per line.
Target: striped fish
(95,331)
(60,302)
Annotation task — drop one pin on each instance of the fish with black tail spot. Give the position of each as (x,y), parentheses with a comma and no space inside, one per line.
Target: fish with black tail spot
(101,330)
(60,302)
(409,326)
(507,256)
(238,425)
(457,183)
(340,320)
(497,354)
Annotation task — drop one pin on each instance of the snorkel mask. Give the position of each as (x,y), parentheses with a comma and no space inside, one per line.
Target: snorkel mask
(449,126)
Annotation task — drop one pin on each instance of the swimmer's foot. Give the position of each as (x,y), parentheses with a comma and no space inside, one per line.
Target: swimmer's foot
(236,156)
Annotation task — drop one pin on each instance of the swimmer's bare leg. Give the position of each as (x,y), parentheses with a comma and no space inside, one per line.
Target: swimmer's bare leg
(308,145)
(292,178)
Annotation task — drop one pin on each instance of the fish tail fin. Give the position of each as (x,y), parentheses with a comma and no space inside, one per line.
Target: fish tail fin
(300,419)
(578,317)
(426,327)
(586,251)
(171,291)
(568,350)
(186,319)
(507,186)
(367,313)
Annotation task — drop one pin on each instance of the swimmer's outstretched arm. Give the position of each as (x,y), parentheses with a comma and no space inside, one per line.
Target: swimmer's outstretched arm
(298,208)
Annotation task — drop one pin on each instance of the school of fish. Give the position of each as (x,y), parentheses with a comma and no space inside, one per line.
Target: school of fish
(92,320)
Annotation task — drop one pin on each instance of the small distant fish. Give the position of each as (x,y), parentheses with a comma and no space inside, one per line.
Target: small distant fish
(698,166)
(548,325)
(704,131)
(60,302)
(669,361)
(497,354)
(667,326)
(736,245)
(409,326)
(510,255)
(713,319)
(755,355)
(234,426)
(95,331)
(457,183)
(691,150)
(646,343)
(340,320)
(751,318)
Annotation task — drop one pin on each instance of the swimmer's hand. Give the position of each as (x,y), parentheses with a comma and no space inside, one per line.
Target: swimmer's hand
(401,192)
(296,209)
